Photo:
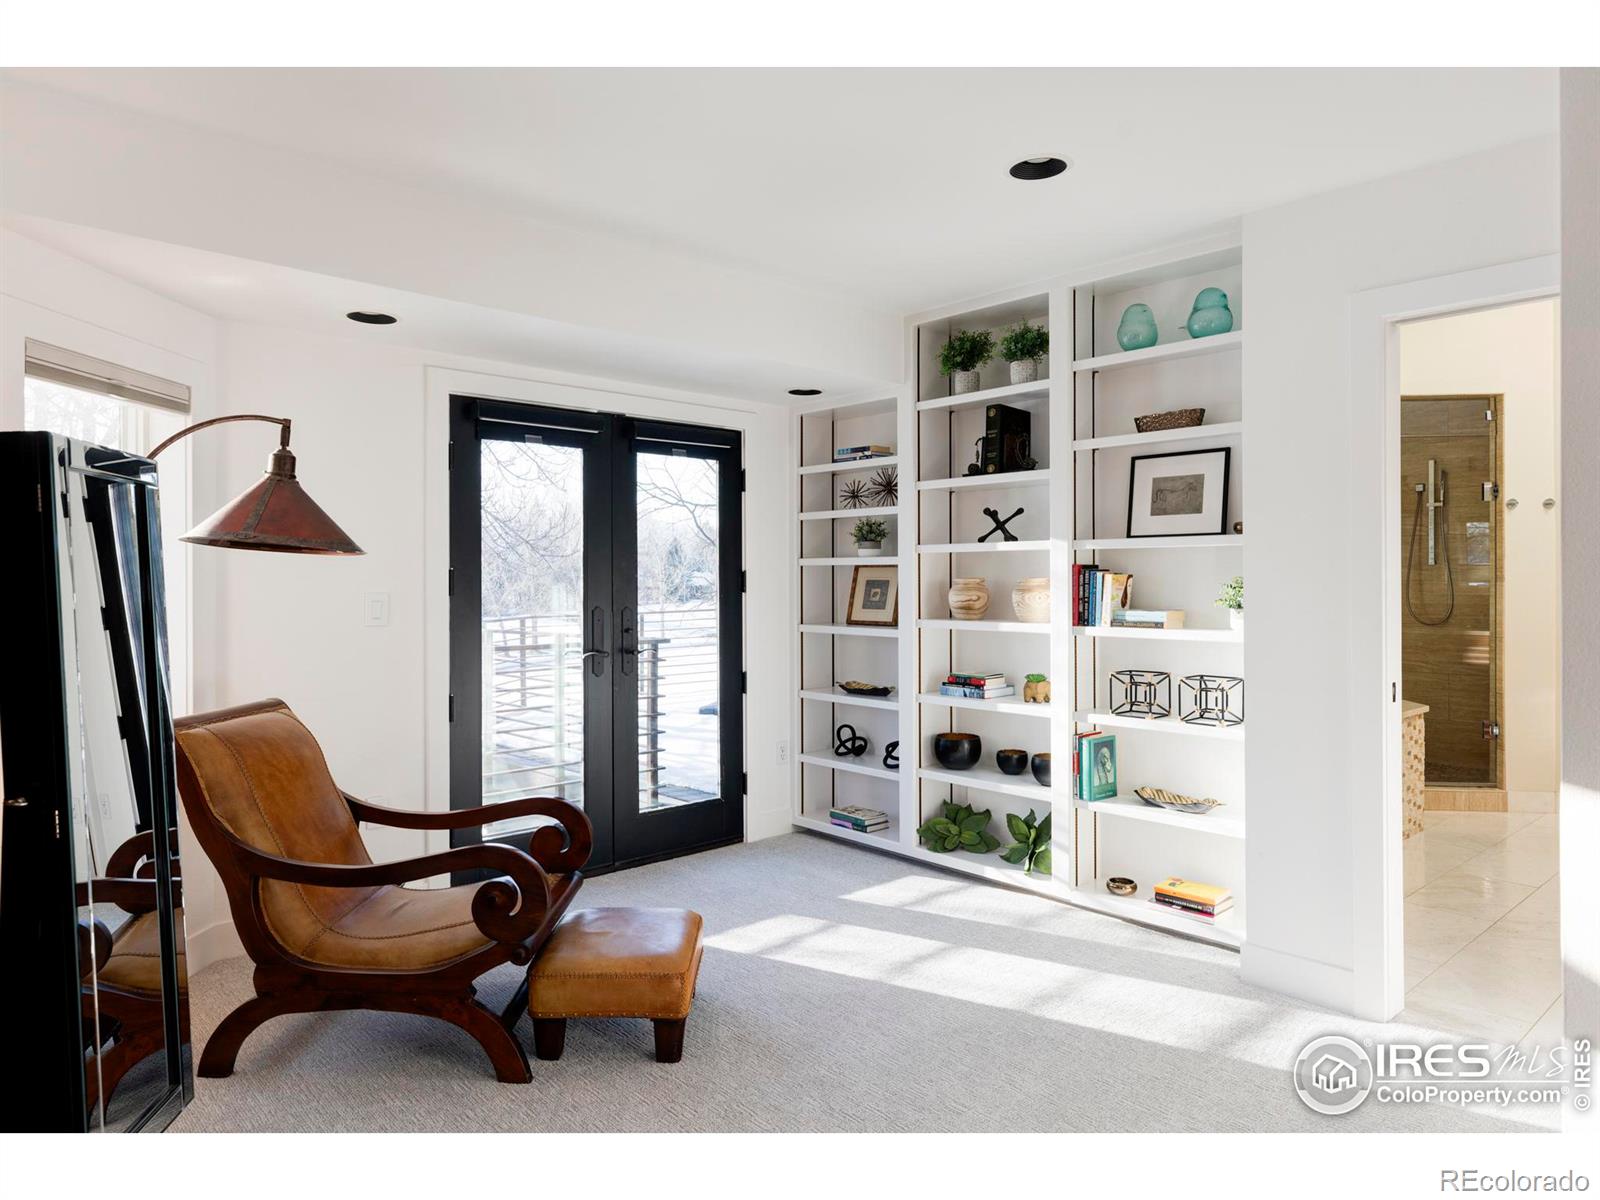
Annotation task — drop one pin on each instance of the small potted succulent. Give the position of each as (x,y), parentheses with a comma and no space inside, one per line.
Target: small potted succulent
(868,534)
(1023,346)
(1232,599)
(962,355)
(1035,689)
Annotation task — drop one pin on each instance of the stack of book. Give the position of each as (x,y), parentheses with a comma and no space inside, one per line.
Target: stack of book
(1148,618)
(1100,595)
(1203,902)
(854,453)
(991,686)
(862,820)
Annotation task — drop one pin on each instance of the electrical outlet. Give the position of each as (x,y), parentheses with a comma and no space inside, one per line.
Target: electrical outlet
(375,608)
(783,754)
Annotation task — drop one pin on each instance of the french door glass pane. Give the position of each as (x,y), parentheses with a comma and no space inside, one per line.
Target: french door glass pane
(680,751)
(532,642)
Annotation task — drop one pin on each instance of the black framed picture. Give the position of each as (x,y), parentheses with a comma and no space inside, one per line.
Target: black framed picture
(1184,494)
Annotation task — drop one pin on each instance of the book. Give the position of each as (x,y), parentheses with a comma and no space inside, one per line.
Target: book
(1117,596)
(846,452)
(1098,767)
(863,820)
(843,824)
(974,693)
(1203,918)
(1077,756)
(1143,618)
(975,680)
(1192,890)
(1209,910)
(1006,434)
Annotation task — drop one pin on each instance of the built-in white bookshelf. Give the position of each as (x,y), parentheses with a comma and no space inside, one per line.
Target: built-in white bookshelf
(1074,501)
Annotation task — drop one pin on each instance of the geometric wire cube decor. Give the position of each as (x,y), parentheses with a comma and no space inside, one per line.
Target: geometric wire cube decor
(1211,700)
(1141,693)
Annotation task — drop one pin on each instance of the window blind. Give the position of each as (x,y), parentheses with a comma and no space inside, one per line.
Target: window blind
(68,367)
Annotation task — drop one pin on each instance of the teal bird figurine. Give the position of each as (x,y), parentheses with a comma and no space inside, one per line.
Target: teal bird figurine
(1211,314)
(1137,329)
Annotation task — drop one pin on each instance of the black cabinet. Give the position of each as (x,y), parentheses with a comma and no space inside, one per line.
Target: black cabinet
(95,998)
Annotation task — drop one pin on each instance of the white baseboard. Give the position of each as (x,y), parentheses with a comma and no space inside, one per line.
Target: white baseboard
(769,822)
(1303,978)
(212,944)
(1539,802)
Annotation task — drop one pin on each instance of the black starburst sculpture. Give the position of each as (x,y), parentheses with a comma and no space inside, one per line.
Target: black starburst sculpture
(884,489)
(853,494)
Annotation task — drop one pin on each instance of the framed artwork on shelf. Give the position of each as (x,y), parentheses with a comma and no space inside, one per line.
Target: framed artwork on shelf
(1183,494)
(874,596)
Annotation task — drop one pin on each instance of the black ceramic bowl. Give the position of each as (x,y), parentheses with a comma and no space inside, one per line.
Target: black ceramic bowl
(1011,762)
(957,751)
(1041,769)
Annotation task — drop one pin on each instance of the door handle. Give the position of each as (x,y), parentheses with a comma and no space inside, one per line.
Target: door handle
(627,643)
(597,634)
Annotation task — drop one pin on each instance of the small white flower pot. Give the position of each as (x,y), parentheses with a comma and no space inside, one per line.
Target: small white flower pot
(869,549)
(962,382)
(1236,619)
(1025,370)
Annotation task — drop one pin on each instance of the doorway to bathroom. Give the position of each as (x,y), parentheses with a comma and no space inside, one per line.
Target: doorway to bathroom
(1479,541)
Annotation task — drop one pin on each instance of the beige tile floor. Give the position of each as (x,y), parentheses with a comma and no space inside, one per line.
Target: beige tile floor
(1483,952)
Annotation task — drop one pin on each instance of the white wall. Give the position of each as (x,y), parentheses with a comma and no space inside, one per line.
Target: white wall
(1580,517)
(1314,661)
(1513,351)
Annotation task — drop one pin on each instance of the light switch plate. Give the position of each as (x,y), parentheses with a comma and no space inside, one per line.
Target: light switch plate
(375,608)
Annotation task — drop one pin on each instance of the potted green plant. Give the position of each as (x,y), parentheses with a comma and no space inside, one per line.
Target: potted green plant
(962,354)
(868,534)
(1232,599)
(958,828)
(1031,844)
(1023,346)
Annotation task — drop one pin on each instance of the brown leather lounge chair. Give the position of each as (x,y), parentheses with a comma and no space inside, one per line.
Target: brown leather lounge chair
(328,928)
(122,1001)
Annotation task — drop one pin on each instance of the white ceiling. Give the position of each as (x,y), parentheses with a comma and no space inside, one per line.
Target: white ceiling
(888,185)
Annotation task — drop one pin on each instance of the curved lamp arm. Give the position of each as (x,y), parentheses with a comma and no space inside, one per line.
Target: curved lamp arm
(283,438)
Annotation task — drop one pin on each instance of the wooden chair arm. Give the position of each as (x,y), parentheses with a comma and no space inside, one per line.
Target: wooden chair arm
(509,910)
(125,861)
(567,850)
(130,895)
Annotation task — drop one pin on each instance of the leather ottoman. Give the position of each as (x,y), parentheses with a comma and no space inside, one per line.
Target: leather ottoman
(617,962)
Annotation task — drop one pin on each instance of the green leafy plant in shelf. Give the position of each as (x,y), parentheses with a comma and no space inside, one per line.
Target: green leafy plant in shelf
(966,350)
(1025,341)
(869,529)
(959,828)
(1232,595)
(1031,846)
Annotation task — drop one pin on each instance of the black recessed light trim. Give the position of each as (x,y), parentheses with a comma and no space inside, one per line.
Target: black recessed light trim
(1038,168)
(372,318)
(805,391)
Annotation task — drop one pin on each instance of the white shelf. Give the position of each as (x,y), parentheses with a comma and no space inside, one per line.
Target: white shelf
(839,514)
(1173,635)
(1167,352)
(851,630)
(882,838)
(989,866)
(1189,433)
(1039,477)
(1013,391)
(990,779)
(1015,705)
(836,695)
(986,626)
(849,766)
(854,464)
(845,560)
(1199,541)
(1224,931)
(1016,547)
(1225,733)
(1130,807)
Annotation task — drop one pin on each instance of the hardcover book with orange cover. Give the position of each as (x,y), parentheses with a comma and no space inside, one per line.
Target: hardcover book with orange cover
(1197,893)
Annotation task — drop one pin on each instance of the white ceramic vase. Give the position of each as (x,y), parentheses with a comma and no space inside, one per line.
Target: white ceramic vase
(1031,599)
(969,598)
(1025,370)
(868,549)
(962,382)
(1236,619)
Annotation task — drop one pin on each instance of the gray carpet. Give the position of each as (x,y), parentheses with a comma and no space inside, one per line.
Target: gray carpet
(842,990)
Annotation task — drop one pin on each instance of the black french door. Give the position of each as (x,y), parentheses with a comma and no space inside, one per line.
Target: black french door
(596,624)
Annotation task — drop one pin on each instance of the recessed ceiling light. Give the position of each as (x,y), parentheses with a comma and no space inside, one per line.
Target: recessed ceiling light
(805,391)
(1038,168)
(372,318)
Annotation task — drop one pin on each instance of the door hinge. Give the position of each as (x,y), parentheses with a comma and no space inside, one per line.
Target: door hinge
(451,584)
(1491,730)
(1394,692)
(450,456)
(744,783)
(741,478)
(1491,490)
(452,707)
(744,581)
(38,496)
(744,683)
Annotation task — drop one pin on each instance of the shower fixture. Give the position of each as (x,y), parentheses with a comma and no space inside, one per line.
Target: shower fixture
(1432,497)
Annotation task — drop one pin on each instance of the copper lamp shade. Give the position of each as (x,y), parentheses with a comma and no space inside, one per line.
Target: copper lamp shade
(274,513)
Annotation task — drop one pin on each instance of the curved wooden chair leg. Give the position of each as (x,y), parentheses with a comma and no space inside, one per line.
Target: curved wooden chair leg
(506,1055)
(216,1061)
(127,1052)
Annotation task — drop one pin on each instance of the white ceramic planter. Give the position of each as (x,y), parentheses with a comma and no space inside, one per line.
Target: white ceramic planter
(1236,619)
(869,549)
(1025,370)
